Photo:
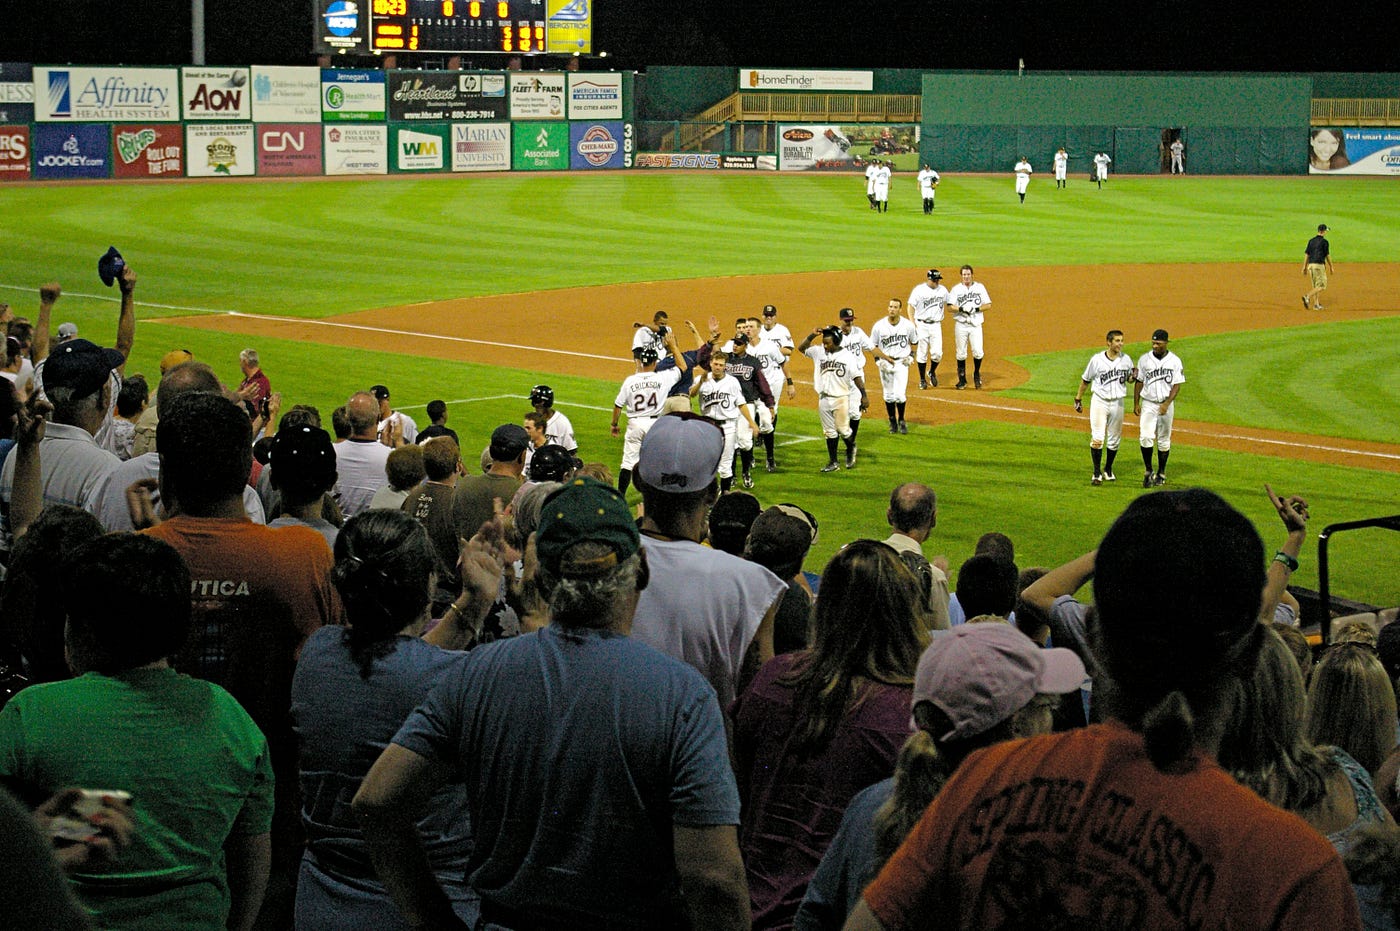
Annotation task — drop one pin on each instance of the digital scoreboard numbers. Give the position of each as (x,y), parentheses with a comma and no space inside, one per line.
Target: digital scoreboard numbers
(452,26)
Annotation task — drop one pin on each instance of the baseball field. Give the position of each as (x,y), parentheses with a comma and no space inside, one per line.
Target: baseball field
(474,288)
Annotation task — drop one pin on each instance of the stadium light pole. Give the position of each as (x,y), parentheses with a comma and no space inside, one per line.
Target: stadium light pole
(196,32)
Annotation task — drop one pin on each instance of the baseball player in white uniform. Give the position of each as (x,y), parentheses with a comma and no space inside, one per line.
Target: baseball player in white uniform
(969,299)
(855,341)
(1061,167)
(1023,177)
(558,430)
(653,336)
(1101,163)
(1159,379)
(776,334)
(1178,150)
(893,337)
(837,373)
(641,397)
(882,188)
(1106,376)
(926,303)
(870,172)
(928,180)
(722,400)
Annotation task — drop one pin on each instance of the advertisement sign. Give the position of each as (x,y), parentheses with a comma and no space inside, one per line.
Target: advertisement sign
(215,93)
(351,95)
(481,147)
(535,95)
(831,147)
(341,25)
(1366,151)
(595,145)
(14,153)
(739,162)
(152,150)
(595,96)
(357,150)
(677,160)
(286,94)
(220,150)
(421,147)
(16,93)
(569,26)
(540,147)
(72,151)
(76,95)
(781,79)
(289,148)
(446,95)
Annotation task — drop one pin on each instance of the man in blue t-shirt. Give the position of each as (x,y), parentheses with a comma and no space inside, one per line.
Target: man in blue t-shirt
(597,770)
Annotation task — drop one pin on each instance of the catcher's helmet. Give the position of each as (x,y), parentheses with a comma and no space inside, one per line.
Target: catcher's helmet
(550,463)
(935,275)
(542,394)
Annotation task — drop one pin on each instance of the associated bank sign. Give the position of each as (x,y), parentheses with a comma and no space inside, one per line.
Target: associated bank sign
(90,95)
(771,79)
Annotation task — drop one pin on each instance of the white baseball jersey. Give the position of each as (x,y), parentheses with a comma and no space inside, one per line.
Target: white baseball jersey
(926,302)
(970,299)
(1061,163)
(870,171)
(648,337)
(405,422)
(1158,375)
(779,334)
(1108,378)
(721,400)
(927,179)
(559,430)
(857,343)
(895,340)
(882,181)
(770,359)
(643,394)
(1101,163)
(1023,167)
(835,373)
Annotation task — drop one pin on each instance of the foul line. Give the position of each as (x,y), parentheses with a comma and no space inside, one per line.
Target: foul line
(116,299)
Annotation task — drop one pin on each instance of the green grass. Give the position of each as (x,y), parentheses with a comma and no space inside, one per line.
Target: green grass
(325,247)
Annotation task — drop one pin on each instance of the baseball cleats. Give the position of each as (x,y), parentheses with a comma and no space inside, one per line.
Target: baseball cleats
(1305,302)
(977,381)
(962,383)
(772,466)
(1158,480)
(923,385)
(1096,480)
(933,381)
(851,458)
(1110,477)
(831,467)
(1147,480)
(748,480)
(903,427)
(894,428)
(1318,307)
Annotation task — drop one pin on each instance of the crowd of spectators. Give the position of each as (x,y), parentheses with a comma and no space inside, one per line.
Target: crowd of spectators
(261,675)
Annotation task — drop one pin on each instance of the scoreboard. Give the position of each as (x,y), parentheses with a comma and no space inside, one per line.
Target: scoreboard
(452,26)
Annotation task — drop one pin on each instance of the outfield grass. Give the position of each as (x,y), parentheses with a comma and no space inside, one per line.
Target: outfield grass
(324,247)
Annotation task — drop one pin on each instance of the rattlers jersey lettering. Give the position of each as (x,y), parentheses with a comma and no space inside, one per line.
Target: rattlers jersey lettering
(745,368)
(835,373)
(894,339)
(779,334)
(643,394)
(1158,376)
(927,302)
(648,337)
(927,179)
(1108,378)
(560,431)
(770,358)
(970,299)
(857,343)
(721,400)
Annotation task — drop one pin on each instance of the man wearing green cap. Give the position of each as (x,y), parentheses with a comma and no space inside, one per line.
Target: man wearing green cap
(597,768)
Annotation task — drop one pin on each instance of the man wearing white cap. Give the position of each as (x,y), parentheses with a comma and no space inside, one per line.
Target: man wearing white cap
(703,606)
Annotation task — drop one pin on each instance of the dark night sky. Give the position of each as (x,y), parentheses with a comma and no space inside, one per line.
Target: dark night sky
(1166,35)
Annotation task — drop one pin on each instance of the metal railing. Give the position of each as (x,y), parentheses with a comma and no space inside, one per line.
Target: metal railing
(1324,587)
(1356,111)
(692,134)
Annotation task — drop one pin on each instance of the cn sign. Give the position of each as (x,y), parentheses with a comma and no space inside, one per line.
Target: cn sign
(14,153)
(289,149)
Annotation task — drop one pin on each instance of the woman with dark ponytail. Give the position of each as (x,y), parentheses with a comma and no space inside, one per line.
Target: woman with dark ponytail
(354,687)
(1130,822)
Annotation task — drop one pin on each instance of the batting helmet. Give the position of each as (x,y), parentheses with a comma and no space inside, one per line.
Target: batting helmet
(550,463)
(646,355)
(935,275)
(542,395)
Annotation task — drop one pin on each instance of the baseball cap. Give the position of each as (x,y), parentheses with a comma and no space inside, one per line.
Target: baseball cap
(173,358)
(302,452)
(1159,334)
(847,313)
(1323,228)
(110,265)
(81,366)
(508,441)
(807,518)
(67,330)
(981,674)
(681,453)
(646,355)
(778,541)
(380,393)
(585,511)
(935,275)
(769,310)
